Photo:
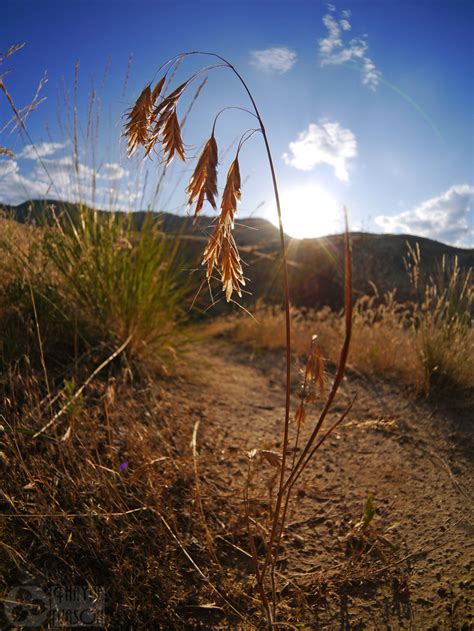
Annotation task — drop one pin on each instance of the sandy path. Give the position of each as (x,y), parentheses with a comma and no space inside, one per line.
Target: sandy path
(412,458)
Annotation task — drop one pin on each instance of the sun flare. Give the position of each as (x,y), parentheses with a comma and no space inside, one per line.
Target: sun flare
(308,211)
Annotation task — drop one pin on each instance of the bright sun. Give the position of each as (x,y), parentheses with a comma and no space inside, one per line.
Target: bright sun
(308,211)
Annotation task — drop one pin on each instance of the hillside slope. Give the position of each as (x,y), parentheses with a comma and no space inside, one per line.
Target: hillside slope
(316,265)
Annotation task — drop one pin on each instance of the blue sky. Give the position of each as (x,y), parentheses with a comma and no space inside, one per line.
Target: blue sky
(367,104)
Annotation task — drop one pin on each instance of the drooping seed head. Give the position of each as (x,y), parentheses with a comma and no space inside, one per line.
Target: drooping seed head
(6,152)
(300,414)
(172,141)
(203,182)
(231,194)
(165,125)
(136,129)
(212,251)
(314,372)
(221,251)
(157,90)
(230,267)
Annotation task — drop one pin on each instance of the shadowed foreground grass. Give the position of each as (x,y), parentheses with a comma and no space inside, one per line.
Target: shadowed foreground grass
(91,314)
(110,494)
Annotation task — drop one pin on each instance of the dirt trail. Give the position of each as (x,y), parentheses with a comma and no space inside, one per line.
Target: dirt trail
(415,460)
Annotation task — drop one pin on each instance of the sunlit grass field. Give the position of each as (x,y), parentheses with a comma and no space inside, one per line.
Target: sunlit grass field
(98,326)
(427,343)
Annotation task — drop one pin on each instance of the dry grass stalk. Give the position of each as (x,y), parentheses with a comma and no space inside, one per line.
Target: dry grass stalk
(10,51)
(221,253)
(203,182)
(19,114)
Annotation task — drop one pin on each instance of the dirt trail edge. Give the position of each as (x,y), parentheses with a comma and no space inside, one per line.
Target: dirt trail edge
(412,567)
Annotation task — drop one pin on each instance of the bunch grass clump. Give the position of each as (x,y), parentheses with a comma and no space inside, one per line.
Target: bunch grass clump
(94,279)
(443,318)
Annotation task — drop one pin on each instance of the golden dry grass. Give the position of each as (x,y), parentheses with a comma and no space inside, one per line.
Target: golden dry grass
(221,254)
(83,503)
(105,454)
(390,340)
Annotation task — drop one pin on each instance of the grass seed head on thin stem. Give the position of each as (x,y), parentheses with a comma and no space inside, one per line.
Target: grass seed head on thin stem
(313,381)
(136,129)
(231,270)
(314,372)
(203,182)
(221,251)
(300,415)
(172,140)
(231,194)
(165,125)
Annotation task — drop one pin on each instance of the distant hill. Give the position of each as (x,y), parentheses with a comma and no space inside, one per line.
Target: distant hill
(315,265)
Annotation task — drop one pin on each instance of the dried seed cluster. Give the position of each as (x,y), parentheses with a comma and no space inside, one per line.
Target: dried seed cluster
(313,381)
(6,152)
(221,251)
(151,122)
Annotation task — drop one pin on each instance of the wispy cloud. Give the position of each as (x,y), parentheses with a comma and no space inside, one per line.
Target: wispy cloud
(15,187)
(112,171)
(337,49)
(42,150)
(326,143)
(447,217)
(273,60)
(110,186)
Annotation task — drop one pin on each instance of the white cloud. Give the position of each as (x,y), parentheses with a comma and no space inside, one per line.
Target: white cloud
(15,187)
(447,217)
(8,168)
(326,143)
(41,150)
(371,75)
(336,49)
(64,168)
(345,25)
(111,184)
(279,60)
(112,171)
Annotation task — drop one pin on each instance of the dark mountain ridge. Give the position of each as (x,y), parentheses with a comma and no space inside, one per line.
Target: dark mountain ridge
(315,265)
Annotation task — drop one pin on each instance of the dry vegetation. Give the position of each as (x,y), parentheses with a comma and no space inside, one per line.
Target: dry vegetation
(101,415)
(428,343)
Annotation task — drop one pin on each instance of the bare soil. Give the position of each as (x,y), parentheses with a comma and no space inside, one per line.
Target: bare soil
(411,568)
